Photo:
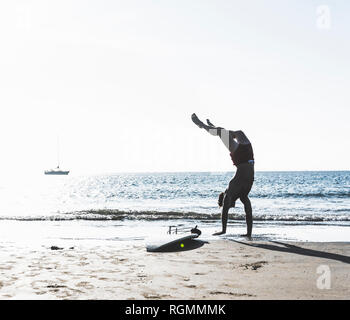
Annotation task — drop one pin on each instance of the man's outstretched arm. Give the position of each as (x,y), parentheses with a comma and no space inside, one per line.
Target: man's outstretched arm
(227,203)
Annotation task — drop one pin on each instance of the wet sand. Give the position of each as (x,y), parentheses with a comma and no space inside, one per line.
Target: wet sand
(220,269)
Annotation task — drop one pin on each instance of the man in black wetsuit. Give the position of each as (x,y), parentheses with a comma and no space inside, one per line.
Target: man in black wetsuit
(242,156)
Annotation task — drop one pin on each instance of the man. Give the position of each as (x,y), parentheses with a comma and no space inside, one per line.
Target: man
(242,156)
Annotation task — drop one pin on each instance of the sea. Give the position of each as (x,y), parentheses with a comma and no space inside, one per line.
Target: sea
(66,210)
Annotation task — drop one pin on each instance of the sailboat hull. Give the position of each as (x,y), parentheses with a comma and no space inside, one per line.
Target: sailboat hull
(60,173)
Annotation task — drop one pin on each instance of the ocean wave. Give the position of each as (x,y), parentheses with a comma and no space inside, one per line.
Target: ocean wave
(170,194)
(210,194)
(302,195)
(110,215)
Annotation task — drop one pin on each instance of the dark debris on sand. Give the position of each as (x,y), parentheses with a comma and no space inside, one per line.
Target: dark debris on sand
(254,265)
(58,248)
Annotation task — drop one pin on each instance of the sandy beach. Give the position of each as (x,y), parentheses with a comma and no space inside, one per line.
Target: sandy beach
(220,269)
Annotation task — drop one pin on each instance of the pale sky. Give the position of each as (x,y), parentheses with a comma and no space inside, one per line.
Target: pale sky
(117,81)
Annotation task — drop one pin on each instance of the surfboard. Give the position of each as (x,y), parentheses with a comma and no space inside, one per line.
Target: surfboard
(171,243)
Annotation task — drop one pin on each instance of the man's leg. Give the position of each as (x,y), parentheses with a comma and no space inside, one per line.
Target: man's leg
(248,215)
(225,135)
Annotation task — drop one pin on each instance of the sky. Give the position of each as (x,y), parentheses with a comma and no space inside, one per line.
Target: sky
(117,82)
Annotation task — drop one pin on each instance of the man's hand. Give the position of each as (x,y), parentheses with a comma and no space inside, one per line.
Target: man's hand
(196,121)
(219,233)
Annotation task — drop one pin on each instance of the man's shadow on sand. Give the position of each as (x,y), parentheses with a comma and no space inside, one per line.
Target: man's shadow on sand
(286,247)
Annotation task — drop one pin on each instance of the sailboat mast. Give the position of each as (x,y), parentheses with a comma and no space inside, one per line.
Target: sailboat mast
(57,171)
(58,152)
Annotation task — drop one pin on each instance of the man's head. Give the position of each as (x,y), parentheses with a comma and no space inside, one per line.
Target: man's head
(221,198)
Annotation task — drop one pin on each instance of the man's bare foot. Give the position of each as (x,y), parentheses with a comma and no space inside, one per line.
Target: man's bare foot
(209,123)
(219,233)
(196,121)
(246,236)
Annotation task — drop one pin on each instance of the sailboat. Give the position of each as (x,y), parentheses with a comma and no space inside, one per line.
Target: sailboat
(57,170)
